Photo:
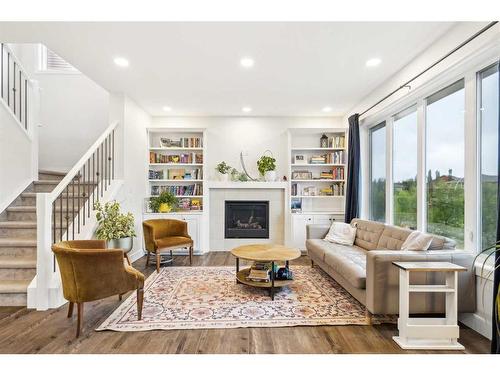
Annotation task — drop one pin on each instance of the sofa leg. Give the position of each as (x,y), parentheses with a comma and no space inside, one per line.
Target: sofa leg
(70,309)
(158,260)
(80,319)
(119,297)
(368,316)
(140,300)
(312,263)
(147,259)
(191,255)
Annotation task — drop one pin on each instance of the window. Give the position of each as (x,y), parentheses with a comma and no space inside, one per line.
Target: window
(445,162)
(377,172)
(405,168)
(488,119)
(50,62)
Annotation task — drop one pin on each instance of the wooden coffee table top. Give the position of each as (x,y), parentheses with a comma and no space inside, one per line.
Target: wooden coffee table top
(266,252)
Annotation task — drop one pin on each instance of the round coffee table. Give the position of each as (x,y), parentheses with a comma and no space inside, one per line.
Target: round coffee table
(264,253)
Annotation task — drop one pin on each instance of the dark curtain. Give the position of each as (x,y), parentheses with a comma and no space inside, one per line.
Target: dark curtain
(495,342)
(352,190)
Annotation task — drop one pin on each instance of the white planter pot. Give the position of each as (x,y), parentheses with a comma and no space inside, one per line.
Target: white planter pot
(270,176)
(125,244)
(224,177)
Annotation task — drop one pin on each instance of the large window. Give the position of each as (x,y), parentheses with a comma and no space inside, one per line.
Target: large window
(405,168)
(445,162)
(377,172)
(488,116)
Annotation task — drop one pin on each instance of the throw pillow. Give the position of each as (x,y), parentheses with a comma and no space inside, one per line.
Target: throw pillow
(341,233)
(417,241)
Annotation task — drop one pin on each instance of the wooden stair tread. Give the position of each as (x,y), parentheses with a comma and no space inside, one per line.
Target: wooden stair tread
(17,242)
(21,209)
(17,262)
(18,224)
(14,286)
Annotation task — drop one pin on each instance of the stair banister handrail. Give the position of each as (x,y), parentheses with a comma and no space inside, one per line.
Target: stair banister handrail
(18,63)
(79,164)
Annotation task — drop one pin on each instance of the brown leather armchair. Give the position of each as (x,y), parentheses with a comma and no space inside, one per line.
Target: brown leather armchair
(90,272)
(166,235)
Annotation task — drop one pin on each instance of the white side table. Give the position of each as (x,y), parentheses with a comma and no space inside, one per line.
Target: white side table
(428,333)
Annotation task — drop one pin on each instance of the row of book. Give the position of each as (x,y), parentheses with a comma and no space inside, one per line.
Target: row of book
(336,141)
(188,158)
(186,190)
(335,189)
(192,142)
(260,271)
(190,204)
(336,157)
(337,173)
(176,174)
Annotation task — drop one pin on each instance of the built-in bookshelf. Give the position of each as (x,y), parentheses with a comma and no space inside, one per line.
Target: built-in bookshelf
(318,170)
(176,163)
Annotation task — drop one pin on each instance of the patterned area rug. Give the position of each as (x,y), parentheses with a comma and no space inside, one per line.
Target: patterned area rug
(208,297)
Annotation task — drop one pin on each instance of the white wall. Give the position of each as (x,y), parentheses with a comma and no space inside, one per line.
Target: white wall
(228,136)
(73,114)
(131,137)
(16,159)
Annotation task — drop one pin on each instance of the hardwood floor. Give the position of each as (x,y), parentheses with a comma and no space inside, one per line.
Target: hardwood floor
(29,331)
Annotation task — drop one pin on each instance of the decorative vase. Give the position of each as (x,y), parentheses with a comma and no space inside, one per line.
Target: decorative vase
(125,243)
(270,176)
(224,177)
(165,207)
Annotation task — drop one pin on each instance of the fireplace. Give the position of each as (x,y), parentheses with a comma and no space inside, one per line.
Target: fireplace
(246,219)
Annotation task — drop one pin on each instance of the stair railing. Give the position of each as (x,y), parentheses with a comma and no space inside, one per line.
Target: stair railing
(62,212)
(15,86)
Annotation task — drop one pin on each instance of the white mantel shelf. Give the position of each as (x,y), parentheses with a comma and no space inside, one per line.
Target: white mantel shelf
(246,185)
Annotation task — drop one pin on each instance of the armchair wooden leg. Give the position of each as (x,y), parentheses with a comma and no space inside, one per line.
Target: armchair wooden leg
(191,255)
(80,319)
(147,259)
(70,309)
(140,299)
(368,316)
(119,297)
(312,263)
(158,260)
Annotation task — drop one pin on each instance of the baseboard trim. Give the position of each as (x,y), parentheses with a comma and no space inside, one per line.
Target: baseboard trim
(476,323)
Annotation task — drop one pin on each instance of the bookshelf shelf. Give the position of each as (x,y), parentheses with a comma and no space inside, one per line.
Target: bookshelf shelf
(317,149)
(317,165)
(176,149)
(174,181)
(317,180)
(177,164)
(317,196)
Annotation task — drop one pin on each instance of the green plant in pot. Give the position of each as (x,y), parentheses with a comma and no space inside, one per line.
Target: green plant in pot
(165,202)
(267,167)
(114,227)
(224,170)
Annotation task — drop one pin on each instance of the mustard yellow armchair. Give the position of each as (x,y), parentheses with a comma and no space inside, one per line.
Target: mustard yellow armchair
(90,272)
(166,235)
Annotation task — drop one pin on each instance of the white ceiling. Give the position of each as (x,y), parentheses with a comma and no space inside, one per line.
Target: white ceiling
(194,67)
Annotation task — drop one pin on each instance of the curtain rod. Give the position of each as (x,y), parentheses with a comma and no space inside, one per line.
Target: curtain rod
(468,40)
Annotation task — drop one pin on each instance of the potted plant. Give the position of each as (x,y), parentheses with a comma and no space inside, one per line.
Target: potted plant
(223,168)
(267,167)
(114,227)
(164,202)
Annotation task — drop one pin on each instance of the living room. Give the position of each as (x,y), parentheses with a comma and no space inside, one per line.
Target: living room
(251,188)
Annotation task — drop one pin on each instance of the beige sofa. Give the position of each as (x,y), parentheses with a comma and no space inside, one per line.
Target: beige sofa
(366,271)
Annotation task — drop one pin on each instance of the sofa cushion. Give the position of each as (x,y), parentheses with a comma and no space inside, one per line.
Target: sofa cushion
(442,243)
(348,261)
(392,238)
(368,233)
(316,247)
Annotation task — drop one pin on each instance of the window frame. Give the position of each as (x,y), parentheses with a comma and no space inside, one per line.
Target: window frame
(373,129)
(468,70)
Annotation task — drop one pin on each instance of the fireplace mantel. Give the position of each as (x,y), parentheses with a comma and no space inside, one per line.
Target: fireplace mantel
(246,185)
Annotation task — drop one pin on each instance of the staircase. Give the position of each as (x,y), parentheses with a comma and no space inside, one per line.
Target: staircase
(18,228)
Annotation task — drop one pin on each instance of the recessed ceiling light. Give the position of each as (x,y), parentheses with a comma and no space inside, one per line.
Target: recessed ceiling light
(373,62)
(121,61)
(247,62)
(167,109)
(246,109)
(327,109)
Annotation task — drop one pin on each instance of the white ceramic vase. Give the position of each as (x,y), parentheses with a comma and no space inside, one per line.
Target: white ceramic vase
(125,244)
(270,176)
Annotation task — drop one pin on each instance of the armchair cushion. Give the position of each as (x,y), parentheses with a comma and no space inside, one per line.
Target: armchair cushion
(162,243)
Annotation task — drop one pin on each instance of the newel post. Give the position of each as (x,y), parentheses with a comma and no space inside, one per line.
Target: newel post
(44,261)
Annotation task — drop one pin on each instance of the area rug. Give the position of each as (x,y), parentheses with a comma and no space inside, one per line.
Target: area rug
(208,297)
